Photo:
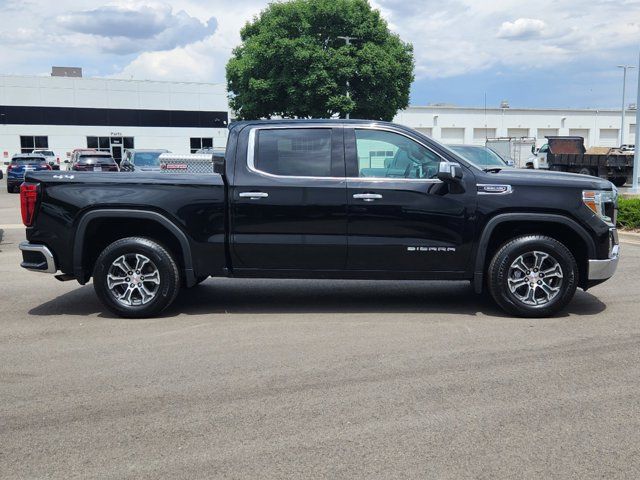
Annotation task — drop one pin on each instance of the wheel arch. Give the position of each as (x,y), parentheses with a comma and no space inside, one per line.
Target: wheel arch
(178,239)
(508,225)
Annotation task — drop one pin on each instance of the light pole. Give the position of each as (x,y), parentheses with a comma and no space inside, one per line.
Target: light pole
(347,41)
(636,156)
(624,88)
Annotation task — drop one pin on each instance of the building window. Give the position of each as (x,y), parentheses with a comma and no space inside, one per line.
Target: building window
(28,143)
(103,144)
(198,143)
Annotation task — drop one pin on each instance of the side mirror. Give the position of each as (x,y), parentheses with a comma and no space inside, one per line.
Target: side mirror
(533,148)
(449,172)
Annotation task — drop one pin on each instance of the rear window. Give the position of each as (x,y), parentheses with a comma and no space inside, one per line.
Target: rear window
(146,159)
(95,159)
(294,152)
(27,161)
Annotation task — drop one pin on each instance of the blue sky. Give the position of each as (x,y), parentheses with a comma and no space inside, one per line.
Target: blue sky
(548,53)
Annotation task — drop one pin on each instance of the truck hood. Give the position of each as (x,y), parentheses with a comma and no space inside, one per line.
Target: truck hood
(521,176)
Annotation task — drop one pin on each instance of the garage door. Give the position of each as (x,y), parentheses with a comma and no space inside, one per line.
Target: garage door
(518,132)
(581,132)
(452,135)
(608,137)
(425,131)
(480,135)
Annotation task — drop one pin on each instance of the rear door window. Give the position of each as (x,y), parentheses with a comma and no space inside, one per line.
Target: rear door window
(302,152)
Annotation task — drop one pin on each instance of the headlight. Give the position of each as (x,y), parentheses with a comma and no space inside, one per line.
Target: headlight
(602,203)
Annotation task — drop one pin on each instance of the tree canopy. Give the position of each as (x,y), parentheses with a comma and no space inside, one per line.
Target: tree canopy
(292,63)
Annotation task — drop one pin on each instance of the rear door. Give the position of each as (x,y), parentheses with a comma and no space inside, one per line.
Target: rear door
(401,217)
(288,200)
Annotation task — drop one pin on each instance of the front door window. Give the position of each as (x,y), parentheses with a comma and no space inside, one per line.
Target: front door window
(383,154)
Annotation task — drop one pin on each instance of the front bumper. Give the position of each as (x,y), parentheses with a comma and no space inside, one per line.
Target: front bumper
(604,269)
(37,258)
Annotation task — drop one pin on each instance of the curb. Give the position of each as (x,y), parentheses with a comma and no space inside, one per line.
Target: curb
(629,235)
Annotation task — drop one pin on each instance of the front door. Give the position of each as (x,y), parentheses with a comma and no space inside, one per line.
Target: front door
(401,217)
(289,208)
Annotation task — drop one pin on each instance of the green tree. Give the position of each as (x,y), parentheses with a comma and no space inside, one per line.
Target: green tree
(292,63)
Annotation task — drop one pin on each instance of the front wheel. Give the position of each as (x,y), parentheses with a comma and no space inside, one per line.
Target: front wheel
(136,277)
(533,276)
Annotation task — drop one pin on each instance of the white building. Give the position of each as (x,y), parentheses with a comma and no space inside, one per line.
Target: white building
(452,125)
(63,113)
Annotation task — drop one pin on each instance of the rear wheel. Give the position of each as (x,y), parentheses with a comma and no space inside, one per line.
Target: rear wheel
(586,171)
(136,278)
(533,276)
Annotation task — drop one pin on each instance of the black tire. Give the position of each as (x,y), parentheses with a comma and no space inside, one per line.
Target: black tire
(586,171)
(618,181)
(164,290)
(501,271)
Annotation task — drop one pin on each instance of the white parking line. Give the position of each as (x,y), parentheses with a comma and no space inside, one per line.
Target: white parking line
(11,226)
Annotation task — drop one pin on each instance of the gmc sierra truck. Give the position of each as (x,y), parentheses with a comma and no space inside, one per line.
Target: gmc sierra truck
(341,199)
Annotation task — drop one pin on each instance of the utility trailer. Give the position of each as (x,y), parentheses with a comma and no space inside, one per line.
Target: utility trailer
(568,154)
(513,150)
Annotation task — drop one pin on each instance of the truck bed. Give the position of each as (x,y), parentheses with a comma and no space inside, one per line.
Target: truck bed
(194,203)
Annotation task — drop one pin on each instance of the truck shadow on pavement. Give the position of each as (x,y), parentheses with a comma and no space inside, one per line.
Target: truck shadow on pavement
(243,296)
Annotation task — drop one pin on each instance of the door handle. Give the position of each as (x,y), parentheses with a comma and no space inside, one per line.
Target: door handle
(367,197)
(253,195)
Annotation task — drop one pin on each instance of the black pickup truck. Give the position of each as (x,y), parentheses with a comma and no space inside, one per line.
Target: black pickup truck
(342,199)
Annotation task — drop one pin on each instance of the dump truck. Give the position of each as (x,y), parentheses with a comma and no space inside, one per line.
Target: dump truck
(568,154)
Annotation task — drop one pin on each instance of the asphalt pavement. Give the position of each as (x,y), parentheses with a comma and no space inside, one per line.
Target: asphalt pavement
(315,379)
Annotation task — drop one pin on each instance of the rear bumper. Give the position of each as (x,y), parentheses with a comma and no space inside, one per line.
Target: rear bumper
(37,258)
(604,269)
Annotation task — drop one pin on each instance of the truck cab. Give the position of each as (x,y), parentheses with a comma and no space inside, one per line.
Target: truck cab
(539,159)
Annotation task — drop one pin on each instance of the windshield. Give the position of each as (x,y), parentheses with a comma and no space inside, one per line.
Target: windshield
(48,153)
(146,159)
(91,159)
(481,157)
(27,161)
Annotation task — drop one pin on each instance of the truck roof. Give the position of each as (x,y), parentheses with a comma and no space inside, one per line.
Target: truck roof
(310,121)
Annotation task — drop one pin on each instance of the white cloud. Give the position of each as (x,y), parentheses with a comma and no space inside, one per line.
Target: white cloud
(177,40)
(458,37)
(522,28)
(129,29)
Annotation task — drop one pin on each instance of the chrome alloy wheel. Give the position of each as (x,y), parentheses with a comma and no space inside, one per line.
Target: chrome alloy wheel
(133,279)
(535,278)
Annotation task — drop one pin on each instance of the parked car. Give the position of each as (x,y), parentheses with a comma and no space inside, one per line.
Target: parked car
(94,162)
(480,156)
(141,160)
(52,159)
(22,163)
(297,199)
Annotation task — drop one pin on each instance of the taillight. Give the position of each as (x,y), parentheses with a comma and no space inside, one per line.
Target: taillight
(28,199)
(46,165)
(9,167)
